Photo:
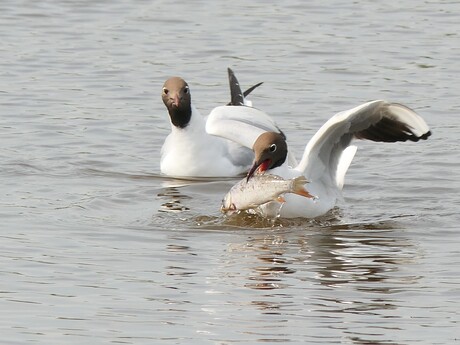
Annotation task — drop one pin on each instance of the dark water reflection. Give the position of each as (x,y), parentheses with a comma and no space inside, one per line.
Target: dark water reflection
(338,255)
(174,197)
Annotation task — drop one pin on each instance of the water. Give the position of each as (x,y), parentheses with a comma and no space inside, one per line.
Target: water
(97,247)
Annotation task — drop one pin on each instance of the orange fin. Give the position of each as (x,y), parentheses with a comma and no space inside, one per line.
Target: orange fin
(305,193)
(299,187)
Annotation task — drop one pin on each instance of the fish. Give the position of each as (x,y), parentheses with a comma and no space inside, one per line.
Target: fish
(261,189)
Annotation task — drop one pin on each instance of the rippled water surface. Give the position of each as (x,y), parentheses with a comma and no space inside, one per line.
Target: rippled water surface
(97,247)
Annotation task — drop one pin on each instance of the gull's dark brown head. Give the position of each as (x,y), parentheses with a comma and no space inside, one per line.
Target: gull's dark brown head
(176,97)
(270,151)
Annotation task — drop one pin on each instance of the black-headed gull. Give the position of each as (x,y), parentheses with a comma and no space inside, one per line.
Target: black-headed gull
(189,151)
(327,155)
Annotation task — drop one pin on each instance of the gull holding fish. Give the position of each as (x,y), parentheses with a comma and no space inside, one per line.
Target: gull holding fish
(328,154)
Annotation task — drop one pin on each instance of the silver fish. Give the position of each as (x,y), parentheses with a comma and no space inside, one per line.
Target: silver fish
(261,189)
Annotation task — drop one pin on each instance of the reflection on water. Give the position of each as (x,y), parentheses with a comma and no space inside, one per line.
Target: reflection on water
(177,190)
(366,256)
(339,254)
(174,200)
(358,266)
(361,253)
(246,220)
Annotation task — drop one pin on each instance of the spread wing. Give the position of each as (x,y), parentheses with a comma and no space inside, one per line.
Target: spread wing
(379,121)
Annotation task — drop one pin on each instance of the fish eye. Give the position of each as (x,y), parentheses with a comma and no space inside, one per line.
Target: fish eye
(272,148)
(165,91)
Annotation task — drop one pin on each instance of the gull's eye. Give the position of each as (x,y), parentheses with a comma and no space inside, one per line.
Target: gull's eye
(272,148)
(186,89)
(165,91)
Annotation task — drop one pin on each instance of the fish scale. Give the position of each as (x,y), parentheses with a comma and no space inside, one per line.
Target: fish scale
(261,189)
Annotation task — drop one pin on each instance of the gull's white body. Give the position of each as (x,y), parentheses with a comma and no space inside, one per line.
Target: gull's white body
(193,152)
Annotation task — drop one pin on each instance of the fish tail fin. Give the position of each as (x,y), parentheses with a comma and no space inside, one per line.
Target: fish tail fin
(299,189)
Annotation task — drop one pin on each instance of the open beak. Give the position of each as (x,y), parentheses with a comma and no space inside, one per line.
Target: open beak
(262,166)
(252,171)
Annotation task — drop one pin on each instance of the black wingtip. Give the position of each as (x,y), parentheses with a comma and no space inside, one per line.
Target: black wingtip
(236,95)
(390,130)
(252,88)
(426,135)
